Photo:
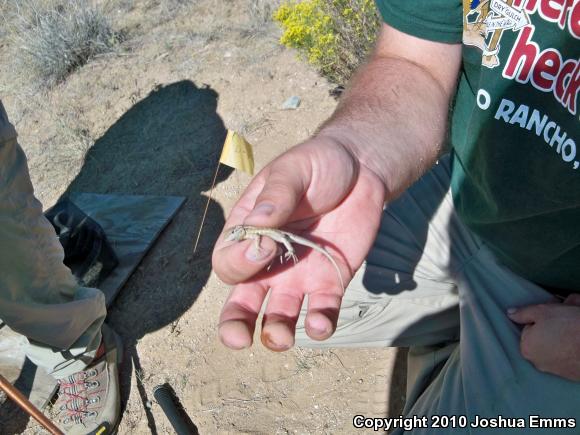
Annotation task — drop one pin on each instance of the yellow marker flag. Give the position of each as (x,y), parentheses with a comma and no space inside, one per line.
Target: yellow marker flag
(237,153)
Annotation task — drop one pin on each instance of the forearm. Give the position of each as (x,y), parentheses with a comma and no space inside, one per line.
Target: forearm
(393,119)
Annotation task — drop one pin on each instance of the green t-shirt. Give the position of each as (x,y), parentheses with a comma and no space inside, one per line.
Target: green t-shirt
(514,131)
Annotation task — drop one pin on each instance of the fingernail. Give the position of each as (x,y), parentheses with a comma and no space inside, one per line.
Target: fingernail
(255,254)
(271,344)
(264,209)
(511,310)
(319,327)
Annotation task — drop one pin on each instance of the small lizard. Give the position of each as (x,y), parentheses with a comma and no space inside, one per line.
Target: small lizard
(247,232)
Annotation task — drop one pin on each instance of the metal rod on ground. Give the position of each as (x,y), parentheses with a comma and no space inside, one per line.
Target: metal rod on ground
(15,395)
(164,397)
(206,206)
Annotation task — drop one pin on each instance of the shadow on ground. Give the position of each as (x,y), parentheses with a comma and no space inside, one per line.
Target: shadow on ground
(13,419)
(397,391)
(168,143)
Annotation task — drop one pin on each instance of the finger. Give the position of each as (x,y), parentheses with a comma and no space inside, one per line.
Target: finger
(526,343)
(284,185)
(322,314)
(573,299)
(268,202)
(529,314)
(280,317)
(240,261)
(239,314)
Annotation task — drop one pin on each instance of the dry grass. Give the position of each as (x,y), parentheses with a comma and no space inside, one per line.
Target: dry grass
(52,38)
(261,12)
(167,9)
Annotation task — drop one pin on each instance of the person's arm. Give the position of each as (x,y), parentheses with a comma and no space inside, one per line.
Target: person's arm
(393,116)
(385,133)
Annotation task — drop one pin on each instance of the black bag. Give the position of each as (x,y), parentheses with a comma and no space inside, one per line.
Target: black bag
(87,252)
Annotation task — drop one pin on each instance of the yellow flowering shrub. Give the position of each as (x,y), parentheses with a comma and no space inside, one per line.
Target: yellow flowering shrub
(332,35)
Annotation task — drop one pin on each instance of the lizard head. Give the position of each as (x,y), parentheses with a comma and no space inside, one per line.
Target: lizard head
(235,234)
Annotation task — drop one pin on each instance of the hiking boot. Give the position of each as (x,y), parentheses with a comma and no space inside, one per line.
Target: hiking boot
(89,401)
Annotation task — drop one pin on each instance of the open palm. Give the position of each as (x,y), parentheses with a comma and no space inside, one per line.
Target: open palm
(336,205)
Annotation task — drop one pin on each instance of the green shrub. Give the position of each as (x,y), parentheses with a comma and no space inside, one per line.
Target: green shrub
(335,36)
(53,38)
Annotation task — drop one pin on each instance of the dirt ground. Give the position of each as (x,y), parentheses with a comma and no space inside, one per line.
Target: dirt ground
(151,119)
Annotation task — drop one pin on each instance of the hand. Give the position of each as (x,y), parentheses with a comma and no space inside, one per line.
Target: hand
(551,336)
(320,191)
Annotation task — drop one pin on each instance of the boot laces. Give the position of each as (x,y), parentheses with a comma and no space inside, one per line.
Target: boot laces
(78,392)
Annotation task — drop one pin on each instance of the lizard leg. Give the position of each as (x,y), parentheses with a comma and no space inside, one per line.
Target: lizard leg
(279,253)
(257,240)
(290,252)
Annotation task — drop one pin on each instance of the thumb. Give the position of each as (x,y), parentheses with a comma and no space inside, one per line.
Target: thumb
(285,184)
(525,315)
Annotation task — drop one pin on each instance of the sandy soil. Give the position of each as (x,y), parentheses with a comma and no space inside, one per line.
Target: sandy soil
(151,119)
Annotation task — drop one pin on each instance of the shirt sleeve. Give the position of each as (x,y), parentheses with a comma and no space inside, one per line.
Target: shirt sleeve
(435,20)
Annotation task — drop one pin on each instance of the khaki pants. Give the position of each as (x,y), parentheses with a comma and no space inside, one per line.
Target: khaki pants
(431,284)
(39,297)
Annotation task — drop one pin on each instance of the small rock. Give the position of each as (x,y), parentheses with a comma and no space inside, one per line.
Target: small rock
(291,103)
(148,404)
(227,54)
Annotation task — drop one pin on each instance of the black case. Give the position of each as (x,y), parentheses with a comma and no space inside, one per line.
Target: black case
(87,251)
